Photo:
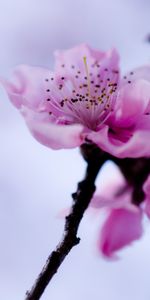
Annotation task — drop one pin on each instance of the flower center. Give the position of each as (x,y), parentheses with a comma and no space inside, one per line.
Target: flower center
(82,94)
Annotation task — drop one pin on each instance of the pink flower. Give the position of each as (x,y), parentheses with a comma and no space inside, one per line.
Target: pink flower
(84,99)
(123,224)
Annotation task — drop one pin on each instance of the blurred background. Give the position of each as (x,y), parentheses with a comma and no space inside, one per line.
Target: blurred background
(36,182)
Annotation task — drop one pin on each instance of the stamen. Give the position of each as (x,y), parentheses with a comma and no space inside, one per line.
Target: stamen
(93,92)
(87,73)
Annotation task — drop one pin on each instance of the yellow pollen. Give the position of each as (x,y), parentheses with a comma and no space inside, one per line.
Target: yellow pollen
(111,91)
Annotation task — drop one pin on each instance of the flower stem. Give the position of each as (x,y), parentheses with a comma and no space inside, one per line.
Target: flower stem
(81,199)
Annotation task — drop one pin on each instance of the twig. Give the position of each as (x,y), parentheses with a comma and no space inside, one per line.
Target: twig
(81,199)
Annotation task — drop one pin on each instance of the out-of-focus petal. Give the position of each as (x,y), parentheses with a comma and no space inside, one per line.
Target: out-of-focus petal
(146,188)
(122,227)
(113,193)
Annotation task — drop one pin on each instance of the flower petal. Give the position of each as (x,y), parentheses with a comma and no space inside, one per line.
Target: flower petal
(75,55)
(131,103)
(52,135)
(112,193)
(122,227)
(138,73)
(27,86)
(136,145)
(146,189)
(73,58)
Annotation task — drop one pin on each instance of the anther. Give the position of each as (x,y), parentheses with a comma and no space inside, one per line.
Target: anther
(62,103)
(115,71)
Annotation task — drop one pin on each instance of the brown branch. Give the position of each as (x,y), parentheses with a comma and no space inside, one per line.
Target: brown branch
(81,199)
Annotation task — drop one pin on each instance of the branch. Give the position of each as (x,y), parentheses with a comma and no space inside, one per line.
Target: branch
(81,199)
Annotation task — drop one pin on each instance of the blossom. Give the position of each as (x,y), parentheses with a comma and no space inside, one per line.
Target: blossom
(123,222)
(85,99)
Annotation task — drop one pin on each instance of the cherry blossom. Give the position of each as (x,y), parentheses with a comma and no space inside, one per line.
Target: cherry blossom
(85,100)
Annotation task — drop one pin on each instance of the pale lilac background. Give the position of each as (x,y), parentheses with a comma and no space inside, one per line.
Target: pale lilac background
(35,182)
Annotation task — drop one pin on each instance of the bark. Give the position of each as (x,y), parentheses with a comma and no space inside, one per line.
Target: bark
(81,199)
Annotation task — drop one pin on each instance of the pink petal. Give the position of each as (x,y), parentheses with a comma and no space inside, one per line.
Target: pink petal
(131,103)
(112,193)
(100,201)
(138,73)
(146,188)
(52,135)
(122,227)
(74,57)
(27,86)
(135,146)
(147,206)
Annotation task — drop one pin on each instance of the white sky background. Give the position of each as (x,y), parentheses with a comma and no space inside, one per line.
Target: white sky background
(35,182)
